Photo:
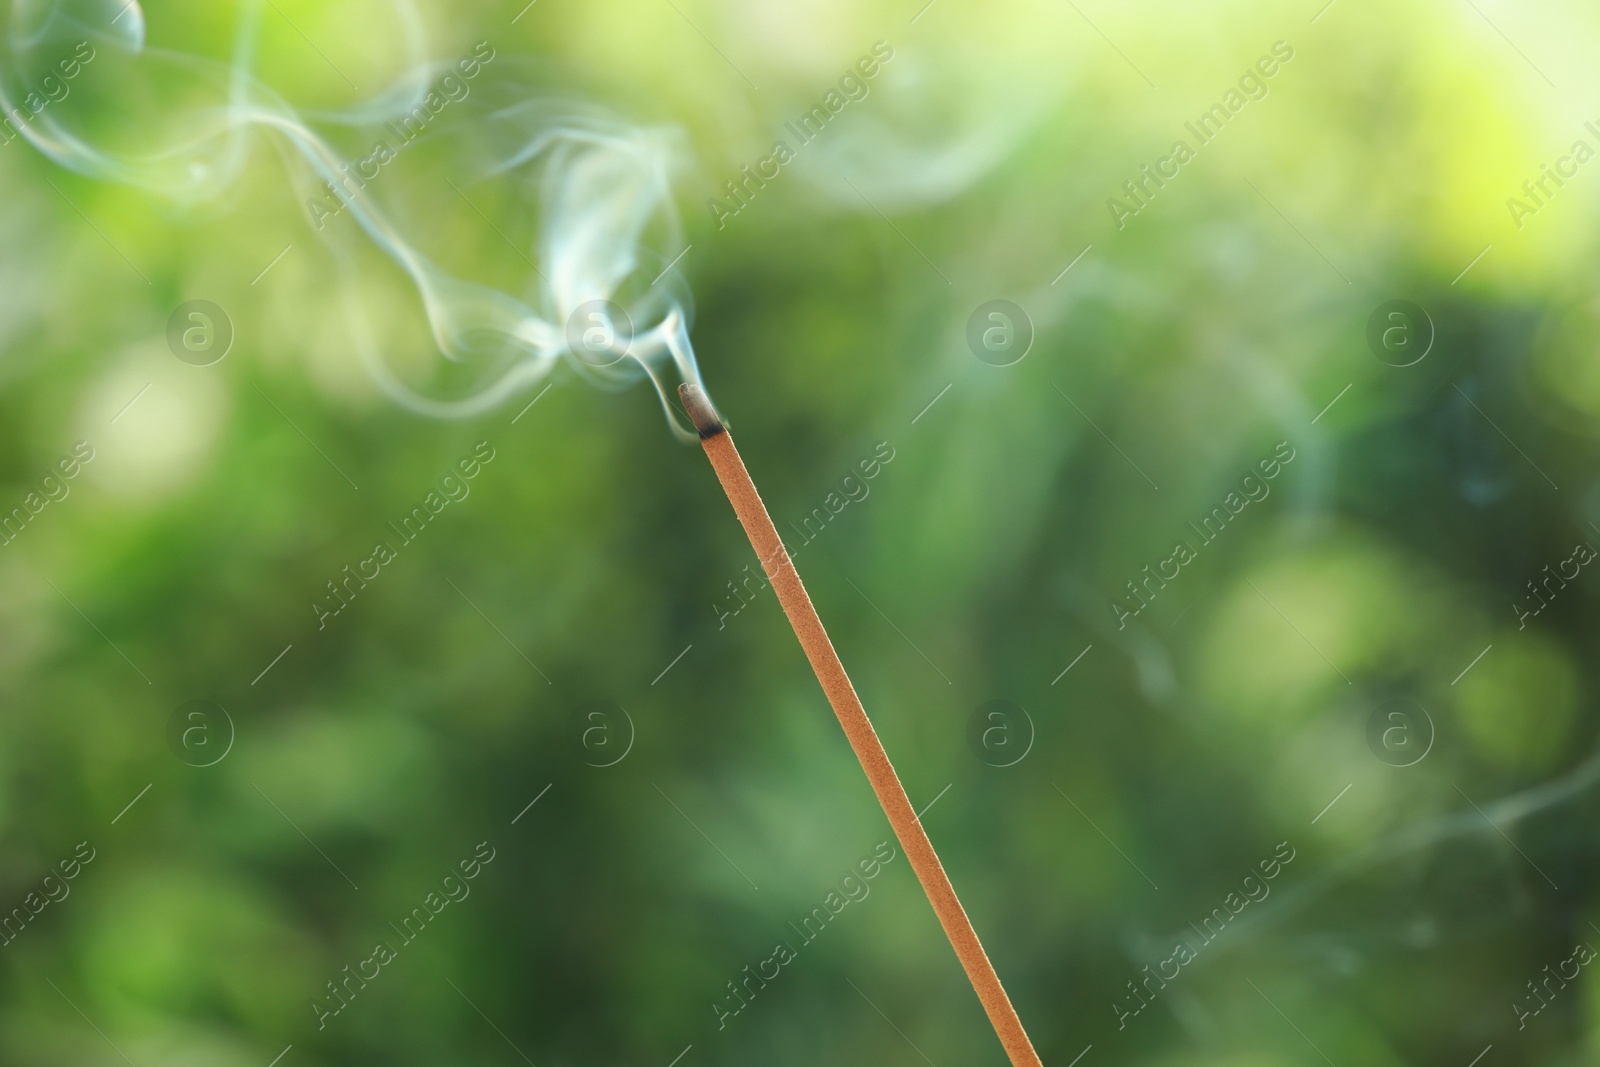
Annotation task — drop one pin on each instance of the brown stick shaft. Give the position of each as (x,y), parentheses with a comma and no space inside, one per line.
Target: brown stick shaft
(858,728)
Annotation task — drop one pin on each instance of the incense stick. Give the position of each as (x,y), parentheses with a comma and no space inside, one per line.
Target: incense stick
(779,568)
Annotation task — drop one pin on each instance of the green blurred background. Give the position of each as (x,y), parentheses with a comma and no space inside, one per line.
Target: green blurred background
(588,562)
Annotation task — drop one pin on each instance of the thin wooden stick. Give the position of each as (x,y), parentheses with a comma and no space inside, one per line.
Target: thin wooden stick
(858,729)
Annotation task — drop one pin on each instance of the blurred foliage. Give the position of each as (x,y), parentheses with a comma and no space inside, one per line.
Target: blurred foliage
(1225,317)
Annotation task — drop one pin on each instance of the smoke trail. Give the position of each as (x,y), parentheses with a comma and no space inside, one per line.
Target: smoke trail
(593,188)
(933,131)
(1417,837)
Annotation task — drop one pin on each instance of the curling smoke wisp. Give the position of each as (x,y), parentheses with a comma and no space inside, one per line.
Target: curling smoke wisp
(593,189)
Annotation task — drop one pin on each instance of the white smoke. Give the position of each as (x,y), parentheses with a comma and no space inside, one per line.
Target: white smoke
(593,185)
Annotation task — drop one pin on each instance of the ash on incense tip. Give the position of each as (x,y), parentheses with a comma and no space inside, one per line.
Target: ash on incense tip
(699,410)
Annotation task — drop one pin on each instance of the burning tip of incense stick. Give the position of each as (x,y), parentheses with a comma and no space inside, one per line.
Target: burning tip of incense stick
(699,410)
